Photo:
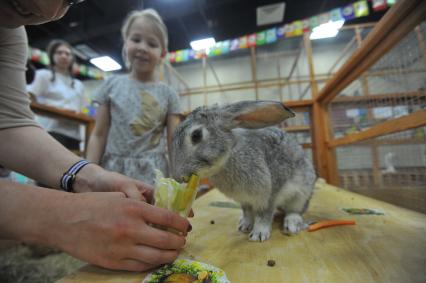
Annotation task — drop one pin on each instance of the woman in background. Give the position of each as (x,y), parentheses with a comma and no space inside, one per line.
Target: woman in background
(57,87)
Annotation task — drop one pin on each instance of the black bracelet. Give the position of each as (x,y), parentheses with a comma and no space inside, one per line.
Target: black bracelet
(68,178)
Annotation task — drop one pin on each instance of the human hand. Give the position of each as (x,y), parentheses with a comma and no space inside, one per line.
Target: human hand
(112,231)
(93,178)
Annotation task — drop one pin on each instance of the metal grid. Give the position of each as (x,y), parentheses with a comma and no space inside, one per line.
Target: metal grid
(393,87)
(396,160)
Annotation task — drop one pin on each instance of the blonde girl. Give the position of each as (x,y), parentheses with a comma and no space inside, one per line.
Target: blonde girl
(135,109)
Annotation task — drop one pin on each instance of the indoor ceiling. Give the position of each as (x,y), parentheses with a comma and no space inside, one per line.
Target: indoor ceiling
(95,24)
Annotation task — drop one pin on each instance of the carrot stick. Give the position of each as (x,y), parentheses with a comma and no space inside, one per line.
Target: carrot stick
(329,223)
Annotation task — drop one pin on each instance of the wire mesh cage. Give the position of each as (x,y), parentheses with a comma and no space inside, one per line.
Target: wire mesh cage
(393,87)
(396,160)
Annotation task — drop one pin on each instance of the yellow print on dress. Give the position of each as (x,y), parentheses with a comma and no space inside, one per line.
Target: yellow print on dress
(150,117)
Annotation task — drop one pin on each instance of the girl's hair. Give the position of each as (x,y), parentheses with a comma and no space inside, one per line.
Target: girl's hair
(51,49)
(156,21)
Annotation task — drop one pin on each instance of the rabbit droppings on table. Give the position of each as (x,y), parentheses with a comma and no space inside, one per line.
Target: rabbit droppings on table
(261,167)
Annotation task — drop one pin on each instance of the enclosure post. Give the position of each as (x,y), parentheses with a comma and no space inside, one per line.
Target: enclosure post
(205,79)
(324,157)
(254,70)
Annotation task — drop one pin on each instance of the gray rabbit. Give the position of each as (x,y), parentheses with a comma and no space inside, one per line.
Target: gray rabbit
(259,166)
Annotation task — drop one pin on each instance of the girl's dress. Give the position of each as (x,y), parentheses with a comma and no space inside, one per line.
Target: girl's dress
(136,143)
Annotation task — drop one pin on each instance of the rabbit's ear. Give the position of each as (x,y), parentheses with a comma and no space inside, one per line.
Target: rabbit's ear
(255,114)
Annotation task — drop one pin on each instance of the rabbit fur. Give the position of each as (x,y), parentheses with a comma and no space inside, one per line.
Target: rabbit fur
(260,166)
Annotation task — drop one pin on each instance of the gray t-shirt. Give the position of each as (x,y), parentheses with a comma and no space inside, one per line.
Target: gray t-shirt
(138,115)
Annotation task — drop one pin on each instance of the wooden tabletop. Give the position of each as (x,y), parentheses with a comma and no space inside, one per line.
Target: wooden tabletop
(379,248)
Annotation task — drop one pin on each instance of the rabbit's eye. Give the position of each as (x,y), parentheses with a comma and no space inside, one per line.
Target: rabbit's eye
(196,136)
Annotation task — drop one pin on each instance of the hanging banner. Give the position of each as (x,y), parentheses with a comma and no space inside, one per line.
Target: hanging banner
(289,30)
(361,8)
(280,32)
(199,54)
(314,22)
(243,42)
(179,56)
(296,28)
(336,15)
(172,57)
(225,46)
(379,5)
(271,35)
(324,18)
(261,38)
(235,43)
(251,40)
(348,12)
(306,25)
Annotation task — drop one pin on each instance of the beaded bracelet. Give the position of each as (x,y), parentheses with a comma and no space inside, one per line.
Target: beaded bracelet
(68,178)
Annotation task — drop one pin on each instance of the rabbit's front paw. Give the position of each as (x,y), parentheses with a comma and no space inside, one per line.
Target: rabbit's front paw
(293,224)
(245,225)
(260,233)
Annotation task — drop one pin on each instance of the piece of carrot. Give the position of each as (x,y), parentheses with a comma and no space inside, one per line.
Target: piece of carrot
(329,223)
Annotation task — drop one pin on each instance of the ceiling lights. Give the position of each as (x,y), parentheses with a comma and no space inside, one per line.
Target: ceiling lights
(203,44)
(330,29)
(105,63)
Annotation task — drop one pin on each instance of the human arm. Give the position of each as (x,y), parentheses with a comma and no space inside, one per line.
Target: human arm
(98,138)
(104,229)
(34,153)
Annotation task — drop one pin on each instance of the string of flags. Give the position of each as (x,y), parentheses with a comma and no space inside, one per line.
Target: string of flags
(39,56)
(297,28)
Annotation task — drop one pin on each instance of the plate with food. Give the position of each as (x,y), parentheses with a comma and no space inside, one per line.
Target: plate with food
(187,271)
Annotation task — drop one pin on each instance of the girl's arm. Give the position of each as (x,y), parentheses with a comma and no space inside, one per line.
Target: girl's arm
(172,121)
(99,135)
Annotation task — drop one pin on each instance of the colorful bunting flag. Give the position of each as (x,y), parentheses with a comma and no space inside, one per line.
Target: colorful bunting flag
(179,56)
(324,18)
(225,46)
(296,28)
(306,25)
(261,38)
(361,8)
(379,5)
(251,40)
(271,35)
(243,42)
(280,32)
(336,15)
(235,43)
(314,22)
(348,12)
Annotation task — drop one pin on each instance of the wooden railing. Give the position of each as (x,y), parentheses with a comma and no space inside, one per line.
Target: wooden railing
(81,118)
(402,18)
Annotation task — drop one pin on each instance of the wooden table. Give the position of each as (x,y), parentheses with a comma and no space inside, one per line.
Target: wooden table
(59,113)
(379,248)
